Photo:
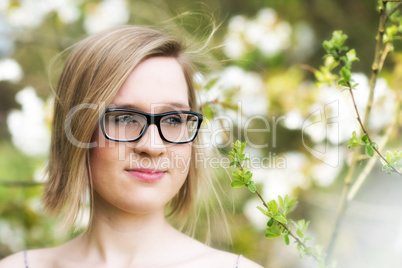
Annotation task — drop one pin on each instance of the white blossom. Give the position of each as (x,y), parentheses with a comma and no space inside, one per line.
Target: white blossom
(106,14)
(28,126)
(10,70)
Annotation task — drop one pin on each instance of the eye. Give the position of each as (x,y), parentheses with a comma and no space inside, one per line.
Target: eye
(173,120)
(125,119)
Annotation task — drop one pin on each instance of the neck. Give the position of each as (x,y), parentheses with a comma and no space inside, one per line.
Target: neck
(119,238)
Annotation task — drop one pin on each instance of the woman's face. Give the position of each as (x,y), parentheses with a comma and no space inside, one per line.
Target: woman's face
(143,176)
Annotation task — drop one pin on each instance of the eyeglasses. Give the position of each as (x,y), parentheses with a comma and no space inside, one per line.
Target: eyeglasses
(127,125)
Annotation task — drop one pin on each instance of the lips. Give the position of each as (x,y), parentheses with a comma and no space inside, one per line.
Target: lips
(147,175)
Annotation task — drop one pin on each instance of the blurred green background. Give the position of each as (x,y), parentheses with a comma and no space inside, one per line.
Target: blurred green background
(268,51)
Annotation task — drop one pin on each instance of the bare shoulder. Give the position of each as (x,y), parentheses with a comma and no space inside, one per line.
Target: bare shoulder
(200,255)
(42,256)
(246,263)
(227,259)
(15,260)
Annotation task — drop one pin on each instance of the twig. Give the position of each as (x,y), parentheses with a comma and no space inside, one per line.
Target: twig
(365,132)
(19,183)
(376,67)
(367,169)
(289,232)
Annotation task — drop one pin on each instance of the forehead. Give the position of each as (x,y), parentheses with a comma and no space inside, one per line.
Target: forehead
(155,82)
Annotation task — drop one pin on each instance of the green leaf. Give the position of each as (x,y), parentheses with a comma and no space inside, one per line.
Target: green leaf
(237,174)
(365,139)
(308,250)
(237,184)
(354,85)
(301,226)
(345,73)
(263,211)
(272,207)
(291,203)
(247,176)
(355,141)
(280,199)
(351,56)
(251,187)
(389,156)
(300,233)
(281,219)
(307,238)
(286,238)
(272,232)
(270,222)
(327,46)
(369,151)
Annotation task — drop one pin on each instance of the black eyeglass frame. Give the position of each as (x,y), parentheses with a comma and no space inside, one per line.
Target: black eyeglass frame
(151,119)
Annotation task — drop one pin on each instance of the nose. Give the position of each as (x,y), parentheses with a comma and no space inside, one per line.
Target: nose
(150,143)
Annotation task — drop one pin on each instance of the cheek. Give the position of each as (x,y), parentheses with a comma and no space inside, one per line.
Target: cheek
(104,158)
(180,159)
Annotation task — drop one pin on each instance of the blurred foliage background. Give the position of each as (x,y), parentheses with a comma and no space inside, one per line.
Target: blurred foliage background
(264,93)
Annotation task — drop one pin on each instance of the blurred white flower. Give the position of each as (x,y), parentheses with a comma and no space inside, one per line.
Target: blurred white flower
(10,70)
(283,30)
(304,41)
(269,44)
(251,89)
(67,10)
(284,175)
(234,47)
(31,13)
(253,32)
(265,32)
(237,24)
(28,14)
(13,236)
(293,119)
(258,219)
(106,14)
(325,172)
(28,126)
(267,17)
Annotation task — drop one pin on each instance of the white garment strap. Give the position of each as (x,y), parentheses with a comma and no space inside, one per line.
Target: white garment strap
(25,259)
(238,260)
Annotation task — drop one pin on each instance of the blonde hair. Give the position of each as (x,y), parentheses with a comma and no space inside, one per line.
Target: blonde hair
(94,72)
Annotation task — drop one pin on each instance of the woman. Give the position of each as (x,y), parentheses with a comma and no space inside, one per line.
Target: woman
(124,129)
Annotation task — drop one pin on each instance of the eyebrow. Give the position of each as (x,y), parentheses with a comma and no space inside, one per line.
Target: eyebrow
(161,106)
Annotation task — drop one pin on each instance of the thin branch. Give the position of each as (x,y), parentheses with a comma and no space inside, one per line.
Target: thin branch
(5,183)
(393,9)
(370,165)
(365,132)
(289,232)
(376,67)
